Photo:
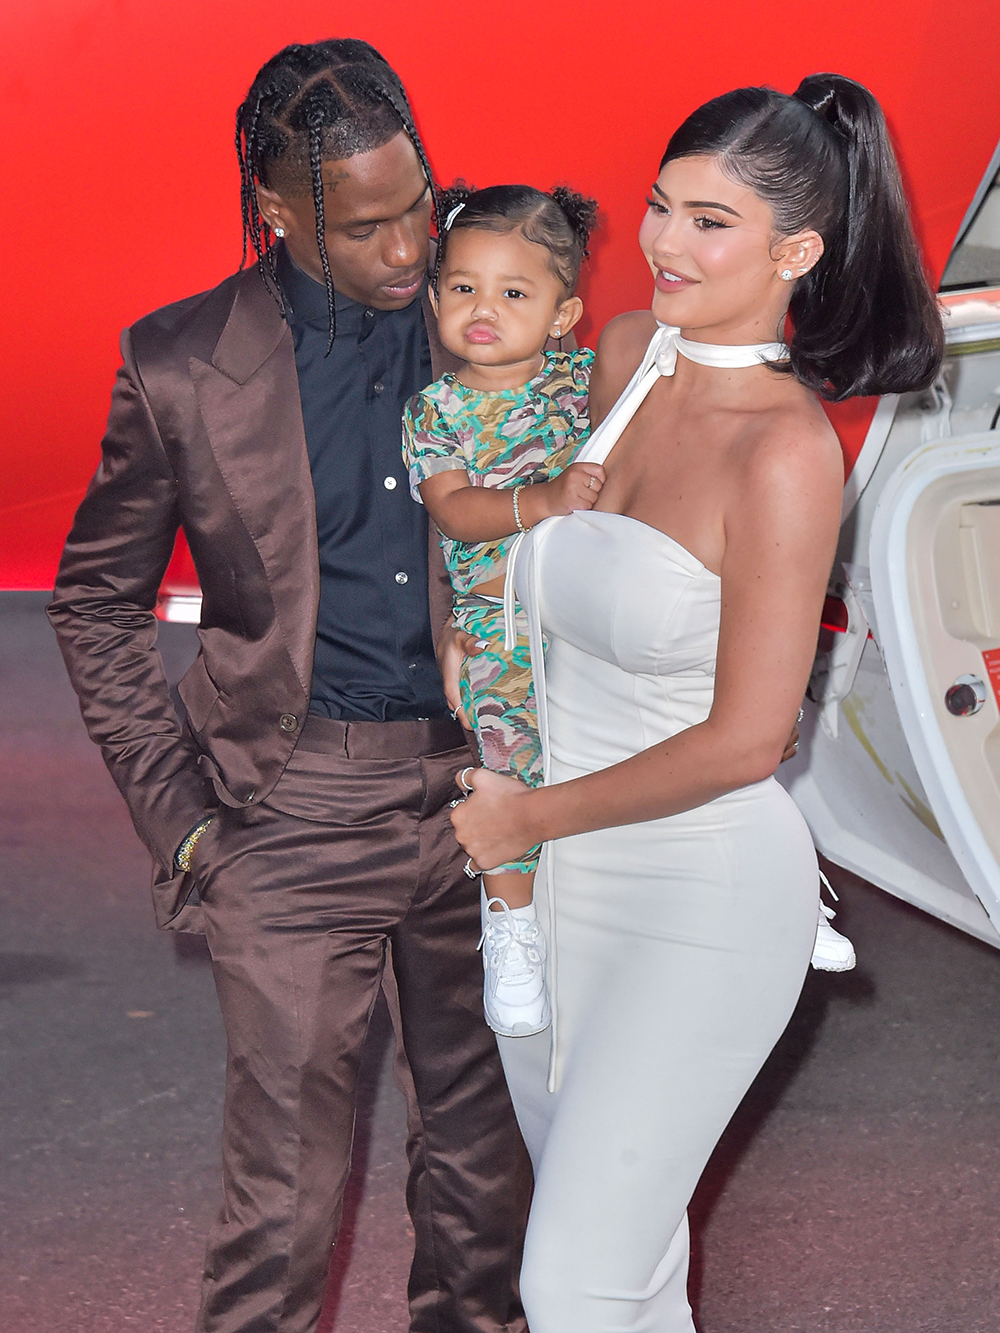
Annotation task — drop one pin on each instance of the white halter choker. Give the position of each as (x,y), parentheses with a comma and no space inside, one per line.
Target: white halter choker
(668,341)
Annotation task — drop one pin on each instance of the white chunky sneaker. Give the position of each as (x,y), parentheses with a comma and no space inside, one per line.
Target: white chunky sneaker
(832,951)
(514,993)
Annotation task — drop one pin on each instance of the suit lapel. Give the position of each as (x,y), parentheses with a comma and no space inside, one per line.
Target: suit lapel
(249,402)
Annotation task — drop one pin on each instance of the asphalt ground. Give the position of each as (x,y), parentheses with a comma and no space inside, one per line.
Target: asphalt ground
(857,1189)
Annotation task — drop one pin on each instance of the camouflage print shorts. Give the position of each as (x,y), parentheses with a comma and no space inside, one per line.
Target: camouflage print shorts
(498,695)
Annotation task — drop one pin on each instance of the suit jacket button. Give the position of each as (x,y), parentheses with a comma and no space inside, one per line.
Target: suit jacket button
(288,722)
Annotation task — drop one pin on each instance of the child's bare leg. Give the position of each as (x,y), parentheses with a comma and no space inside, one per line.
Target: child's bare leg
(514,889)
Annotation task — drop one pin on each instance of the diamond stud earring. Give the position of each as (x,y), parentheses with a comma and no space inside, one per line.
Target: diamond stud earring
(280,232)
(787,274)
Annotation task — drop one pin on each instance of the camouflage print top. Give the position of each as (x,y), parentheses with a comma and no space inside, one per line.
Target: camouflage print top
(501,439)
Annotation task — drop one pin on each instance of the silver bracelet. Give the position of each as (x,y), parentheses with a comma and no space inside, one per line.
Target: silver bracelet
(517,508)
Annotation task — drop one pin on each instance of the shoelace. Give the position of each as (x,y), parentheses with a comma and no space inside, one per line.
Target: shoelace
(828,912)
(511,945)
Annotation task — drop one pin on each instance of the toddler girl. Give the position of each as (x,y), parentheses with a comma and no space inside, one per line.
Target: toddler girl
(489,451)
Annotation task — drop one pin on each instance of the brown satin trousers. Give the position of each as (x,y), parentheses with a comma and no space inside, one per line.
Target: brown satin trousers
(345,879)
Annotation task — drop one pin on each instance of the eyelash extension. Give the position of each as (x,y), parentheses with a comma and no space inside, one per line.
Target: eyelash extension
(710,224)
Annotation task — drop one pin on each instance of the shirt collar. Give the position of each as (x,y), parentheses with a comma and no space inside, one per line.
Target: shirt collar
(306,303)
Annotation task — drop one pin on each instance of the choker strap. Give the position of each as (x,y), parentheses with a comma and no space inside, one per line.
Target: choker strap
(668,342)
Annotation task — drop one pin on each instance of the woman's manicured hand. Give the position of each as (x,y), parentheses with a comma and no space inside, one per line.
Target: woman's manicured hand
(493,824)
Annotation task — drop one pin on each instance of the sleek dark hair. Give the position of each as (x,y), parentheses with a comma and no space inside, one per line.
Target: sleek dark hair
(310,104)
(561,220)
(864,320)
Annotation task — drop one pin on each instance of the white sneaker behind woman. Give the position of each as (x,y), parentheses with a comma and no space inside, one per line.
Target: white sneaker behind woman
(832,951)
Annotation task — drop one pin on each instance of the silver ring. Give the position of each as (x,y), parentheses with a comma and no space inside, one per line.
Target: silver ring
(459,800)
(468,870)
(461,779)
(454,714)
(795,747)
(590,483)
(802,713)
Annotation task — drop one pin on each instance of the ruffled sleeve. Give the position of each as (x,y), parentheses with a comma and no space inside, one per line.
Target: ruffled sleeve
(430,445)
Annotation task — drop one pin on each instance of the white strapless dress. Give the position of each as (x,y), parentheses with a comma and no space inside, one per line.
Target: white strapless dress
(677,947)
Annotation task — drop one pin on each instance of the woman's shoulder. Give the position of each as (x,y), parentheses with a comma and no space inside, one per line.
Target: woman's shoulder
(620,349)
(626,337)
(791,444)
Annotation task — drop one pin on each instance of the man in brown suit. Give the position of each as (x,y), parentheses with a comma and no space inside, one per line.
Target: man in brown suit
(299,813)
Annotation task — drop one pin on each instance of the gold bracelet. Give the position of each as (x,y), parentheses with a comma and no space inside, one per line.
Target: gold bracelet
(517,508)
(183,857)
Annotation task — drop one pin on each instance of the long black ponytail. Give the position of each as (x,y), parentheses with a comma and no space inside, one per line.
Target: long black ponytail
(864,320)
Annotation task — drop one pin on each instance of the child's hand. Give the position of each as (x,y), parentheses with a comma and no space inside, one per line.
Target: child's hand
(576,488)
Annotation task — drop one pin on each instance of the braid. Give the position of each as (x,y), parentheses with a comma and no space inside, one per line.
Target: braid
(316,168)
(246,189)
(328,100)
(402,110)
(254,227)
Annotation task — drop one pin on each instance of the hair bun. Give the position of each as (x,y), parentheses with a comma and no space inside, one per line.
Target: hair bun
(581,212)
(846,106)
(817,92)
(456,193)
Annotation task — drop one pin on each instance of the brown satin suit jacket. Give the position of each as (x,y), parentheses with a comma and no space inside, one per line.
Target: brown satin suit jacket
(205,433)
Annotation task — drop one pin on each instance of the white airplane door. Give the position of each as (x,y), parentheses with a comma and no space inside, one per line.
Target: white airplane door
(935,588)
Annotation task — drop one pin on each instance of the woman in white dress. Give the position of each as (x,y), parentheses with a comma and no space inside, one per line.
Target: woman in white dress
(680,618)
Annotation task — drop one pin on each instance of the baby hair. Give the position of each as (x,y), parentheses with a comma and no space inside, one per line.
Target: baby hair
(561,221)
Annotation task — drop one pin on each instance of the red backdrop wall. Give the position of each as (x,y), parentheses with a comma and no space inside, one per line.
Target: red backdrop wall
(122,188)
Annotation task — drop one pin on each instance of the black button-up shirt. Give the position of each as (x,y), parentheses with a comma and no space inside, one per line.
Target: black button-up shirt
(374,655)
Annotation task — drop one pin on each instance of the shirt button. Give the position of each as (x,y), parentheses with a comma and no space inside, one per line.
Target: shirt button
(390,483)
(288,722)
(369,314)
(402,578)
(378,386)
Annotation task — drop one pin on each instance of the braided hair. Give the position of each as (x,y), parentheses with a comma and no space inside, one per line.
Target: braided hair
(325,101)
(561,220)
